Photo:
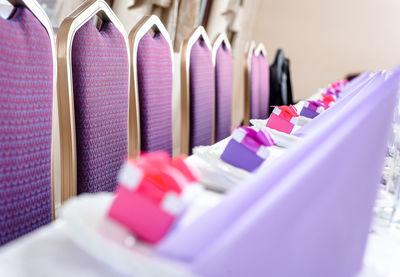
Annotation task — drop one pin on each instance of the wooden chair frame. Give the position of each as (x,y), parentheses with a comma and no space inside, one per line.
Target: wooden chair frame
(146,24)
(41,15)
(186,48)
(65,37)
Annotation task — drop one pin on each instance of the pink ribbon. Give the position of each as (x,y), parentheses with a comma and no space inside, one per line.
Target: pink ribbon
(253,139)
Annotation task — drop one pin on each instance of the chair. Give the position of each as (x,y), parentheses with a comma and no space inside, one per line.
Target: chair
(256,84)
(222,60)
(151,84)
(264,81)
(197,91)
(27,88)
(95,129)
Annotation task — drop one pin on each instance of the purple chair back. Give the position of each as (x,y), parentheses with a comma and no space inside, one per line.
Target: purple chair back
(257,84)
(154,73)
(223,89)
(255,77)
(312,221)
(100,69)
(264,85)
(197,91)
(26,98)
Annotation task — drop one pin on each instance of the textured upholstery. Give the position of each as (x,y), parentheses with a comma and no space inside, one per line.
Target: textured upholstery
(202,83)
(254,88)
(223,92)
(259,87)
(264,86)
(26,91)
(154,67)
(100,70)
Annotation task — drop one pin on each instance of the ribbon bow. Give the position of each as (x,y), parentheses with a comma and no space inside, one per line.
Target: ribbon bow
(254,139)
(314,104)
(287,112)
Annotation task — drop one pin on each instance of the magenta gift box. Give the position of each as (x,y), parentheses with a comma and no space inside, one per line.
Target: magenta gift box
(283,119)
(247,148)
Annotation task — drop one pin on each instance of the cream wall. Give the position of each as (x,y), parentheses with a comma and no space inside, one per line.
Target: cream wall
(326,40)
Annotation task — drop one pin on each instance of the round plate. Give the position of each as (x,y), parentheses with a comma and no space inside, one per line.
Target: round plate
(90,228)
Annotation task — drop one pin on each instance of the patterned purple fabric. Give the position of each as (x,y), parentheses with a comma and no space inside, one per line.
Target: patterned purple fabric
(154,65)
(264,86)
(100,70)
(259,87)
(201,95)
(254,88)
(26,91)
(223,92)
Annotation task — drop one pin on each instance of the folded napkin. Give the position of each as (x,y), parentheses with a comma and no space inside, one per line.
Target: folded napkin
(247,148)
(149,196)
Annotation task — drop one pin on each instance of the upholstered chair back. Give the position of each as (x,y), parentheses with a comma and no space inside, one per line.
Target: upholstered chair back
(27,72)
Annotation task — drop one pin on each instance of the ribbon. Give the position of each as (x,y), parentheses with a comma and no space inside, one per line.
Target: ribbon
(254,139)
(287,112)
(314,105)
(326,100)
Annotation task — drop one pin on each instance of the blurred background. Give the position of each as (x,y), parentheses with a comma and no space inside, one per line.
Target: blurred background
(324,40)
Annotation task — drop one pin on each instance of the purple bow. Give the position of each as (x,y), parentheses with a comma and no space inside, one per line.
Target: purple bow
(254,139)
(314,105)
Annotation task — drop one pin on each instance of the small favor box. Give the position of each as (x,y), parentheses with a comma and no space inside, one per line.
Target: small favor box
(283,119)
(327,100)
(149,196)
(311,109)
(247,148)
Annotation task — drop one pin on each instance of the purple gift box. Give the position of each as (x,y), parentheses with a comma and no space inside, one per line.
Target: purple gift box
(247,148)
(311,109)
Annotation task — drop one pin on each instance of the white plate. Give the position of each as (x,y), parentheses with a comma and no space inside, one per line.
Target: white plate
(282,139)
(90,228)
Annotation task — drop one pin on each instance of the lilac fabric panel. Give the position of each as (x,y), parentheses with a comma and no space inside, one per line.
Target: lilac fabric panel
(255,76)
(100,70)
(202,95)
(223,91)
(315,222)
(264,86)
(347,95)
(26,103)
(154,65)
(229,219)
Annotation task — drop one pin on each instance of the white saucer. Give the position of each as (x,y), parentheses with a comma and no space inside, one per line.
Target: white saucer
(91,229)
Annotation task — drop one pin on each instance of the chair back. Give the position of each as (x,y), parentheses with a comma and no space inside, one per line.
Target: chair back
(93,89)
(151,84)
(223,64)
(197,88)
(256,99)
(27,91)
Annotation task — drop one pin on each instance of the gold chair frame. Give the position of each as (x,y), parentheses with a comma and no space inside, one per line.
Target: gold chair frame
(186,48)
(146,24)
(41,15)
(65,37)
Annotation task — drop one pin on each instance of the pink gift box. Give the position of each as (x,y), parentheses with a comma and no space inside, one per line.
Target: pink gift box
(283,119)
(144,217)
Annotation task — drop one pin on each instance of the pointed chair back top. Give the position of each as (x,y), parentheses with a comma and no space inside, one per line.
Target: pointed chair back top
(197,91)
(223,64)
(151,85)
(95,130)
(27,95)
(264,81)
